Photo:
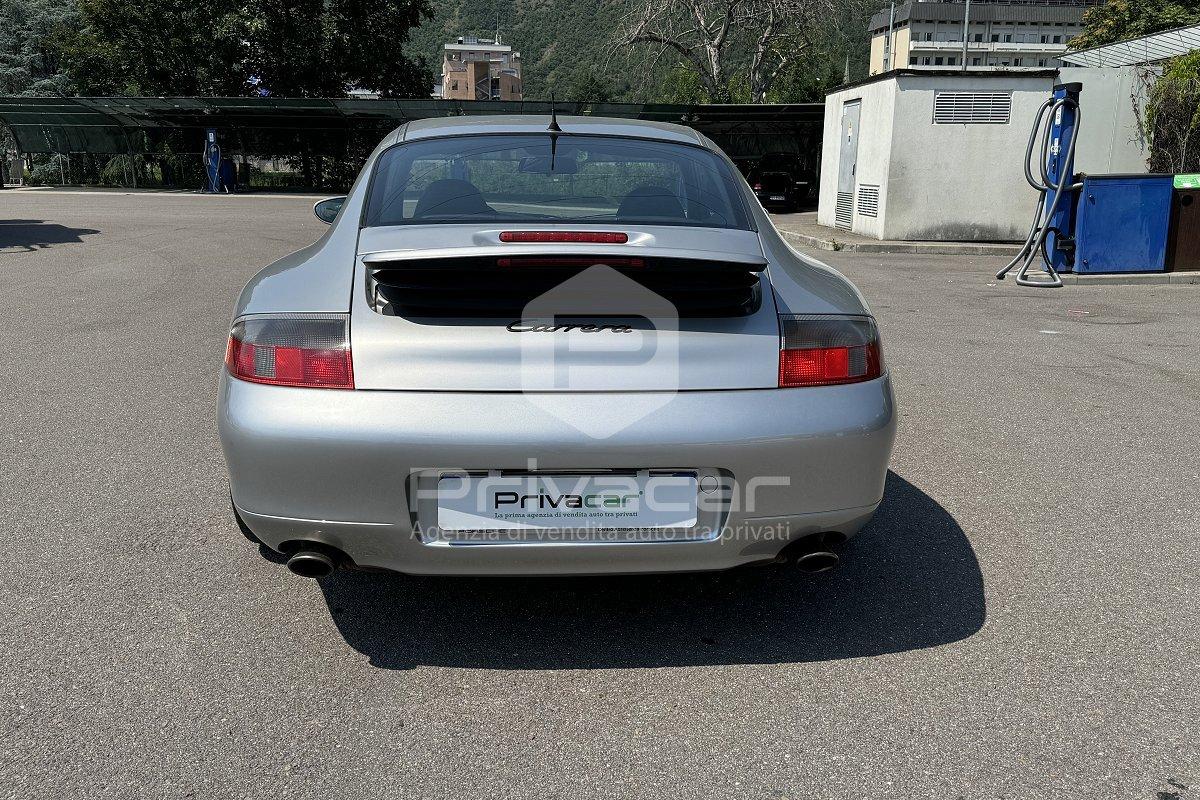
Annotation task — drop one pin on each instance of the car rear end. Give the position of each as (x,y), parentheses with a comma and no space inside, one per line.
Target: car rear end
(564,395)
(776,189)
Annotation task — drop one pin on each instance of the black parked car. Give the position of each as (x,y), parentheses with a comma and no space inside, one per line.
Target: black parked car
(783,182)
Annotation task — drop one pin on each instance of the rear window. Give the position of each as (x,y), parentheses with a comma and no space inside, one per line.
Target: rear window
(537,178)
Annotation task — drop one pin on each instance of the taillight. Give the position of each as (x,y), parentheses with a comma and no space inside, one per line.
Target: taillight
(586,237)
(310,350)
(826,349)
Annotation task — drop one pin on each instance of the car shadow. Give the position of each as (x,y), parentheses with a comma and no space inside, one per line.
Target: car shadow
(27,235)
(908,581)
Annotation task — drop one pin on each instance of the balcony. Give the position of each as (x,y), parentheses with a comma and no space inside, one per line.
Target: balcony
(1017,48)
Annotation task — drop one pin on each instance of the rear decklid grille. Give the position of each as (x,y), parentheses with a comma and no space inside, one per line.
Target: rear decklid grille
(503,286)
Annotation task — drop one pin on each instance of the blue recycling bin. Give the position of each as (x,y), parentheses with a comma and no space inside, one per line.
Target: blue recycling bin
(1122,223)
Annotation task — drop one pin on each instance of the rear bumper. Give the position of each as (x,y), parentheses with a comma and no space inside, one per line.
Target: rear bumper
(338,467)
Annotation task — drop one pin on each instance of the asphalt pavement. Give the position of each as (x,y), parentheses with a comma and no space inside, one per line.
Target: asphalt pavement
(1021,620)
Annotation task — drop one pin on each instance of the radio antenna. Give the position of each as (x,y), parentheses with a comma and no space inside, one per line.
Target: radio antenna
(554,131)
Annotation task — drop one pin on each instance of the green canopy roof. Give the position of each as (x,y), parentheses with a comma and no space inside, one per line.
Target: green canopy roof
(287,126)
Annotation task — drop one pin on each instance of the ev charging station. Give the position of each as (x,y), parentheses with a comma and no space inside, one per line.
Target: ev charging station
(1100,224)
(219,175)
(212,162)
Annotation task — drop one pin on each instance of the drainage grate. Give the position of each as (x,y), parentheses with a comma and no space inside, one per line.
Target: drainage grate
(843,212)
(868,201)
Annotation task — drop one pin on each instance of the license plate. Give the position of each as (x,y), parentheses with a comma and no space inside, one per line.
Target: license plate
(607,502)
(778,197)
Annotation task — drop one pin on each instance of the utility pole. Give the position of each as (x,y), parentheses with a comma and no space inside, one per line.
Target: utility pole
(890,60)
(966,32)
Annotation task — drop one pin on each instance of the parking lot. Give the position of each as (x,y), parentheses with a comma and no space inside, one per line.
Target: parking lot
(1021,620)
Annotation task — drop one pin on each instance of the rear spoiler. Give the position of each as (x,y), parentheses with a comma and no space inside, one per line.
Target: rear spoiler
(745,261)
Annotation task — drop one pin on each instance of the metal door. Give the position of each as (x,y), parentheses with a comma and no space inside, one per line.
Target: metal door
(848,164)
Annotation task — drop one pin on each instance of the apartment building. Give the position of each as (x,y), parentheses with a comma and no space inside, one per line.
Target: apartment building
(480,69)
(1008,35)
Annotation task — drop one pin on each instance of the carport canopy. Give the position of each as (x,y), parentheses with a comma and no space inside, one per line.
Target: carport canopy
(322,126)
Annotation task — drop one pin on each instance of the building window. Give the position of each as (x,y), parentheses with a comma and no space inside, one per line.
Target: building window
(979,37)
(1058,40)
(995,37)
(1045,39)
(925,61)
(1017,62)
(937,62)
(974,62)
(1008,37)
(929,37)
(453,85)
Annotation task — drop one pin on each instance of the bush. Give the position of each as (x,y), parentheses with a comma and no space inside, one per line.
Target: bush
(1173,117)
(124,171)
(274,180)
(49,171)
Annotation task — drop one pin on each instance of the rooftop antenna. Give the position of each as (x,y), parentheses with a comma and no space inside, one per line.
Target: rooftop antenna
(554,131)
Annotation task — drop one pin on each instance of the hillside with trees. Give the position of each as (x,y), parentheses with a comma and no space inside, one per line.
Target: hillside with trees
(563,43)
(31,32)
(578,50)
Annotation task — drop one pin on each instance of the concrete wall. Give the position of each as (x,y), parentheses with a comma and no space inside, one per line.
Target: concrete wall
(959,182)
(831,148)
(877,54)
(903,47)
(1112,100)
(878,62)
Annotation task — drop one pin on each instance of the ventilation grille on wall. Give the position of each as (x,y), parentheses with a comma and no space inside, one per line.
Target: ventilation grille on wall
(843,212)
(972,108)
(868,201)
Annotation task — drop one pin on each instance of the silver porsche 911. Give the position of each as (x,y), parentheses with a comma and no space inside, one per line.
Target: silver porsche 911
(530,345)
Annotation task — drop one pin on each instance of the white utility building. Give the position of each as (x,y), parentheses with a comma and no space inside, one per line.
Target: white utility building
(922,155)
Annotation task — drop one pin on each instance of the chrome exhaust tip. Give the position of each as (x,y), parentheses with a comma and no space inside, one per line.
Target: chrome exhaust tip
(817,561)
(310,564)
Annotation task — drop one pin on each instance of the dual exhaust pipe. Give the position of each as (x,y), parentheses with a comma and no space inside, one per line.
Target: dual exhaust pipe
(313,563)
(818,561)
(812,555)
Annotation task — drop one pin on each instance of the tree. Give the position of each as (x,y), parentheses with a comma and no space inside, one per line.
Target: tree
(1118,20)
(323,48)
(682,85)
(298,48)
(1173,117)
(31,33)
(588,84)
(840,50)
(721,40)
(159,47)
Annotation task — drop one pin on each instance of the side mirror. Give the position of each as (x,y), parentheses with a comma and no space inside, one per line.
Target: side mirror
(327,209)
